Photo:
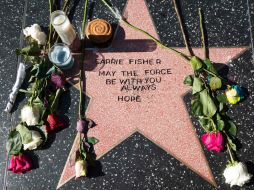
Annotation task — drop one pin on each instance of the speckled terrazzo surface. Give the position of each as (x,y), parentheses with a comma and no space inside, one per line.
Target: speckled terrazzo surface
(136,163)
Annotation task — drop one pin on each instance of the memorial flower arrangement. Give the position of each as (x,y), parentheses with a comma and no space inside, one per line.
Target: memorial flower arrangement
(40,115)
(209,100)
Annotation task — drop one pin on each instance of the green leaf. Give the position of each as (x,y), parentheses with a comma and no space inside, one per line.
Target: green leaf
(54,103)
(232,130)
(14,143)
(210,67)
(32,79)
(51,70)
(197,85)
(37,102)
(231,143)
(218,117)
(196,106)
(196,63)
(221,106)
(32,50)
(92,140)
(41,129)
(82,150)
(205,123)
(215,83)
(222,98)
(188,80)
(25,134)
(220,125)
(25,91)
(208,106)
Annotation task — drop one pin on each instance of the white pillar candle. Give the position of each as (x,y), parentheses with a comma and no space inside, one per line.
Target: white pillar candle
(63,27)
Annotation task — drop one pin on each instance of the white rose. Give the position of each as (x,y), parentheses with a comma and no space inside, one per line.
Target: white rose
(237,174)
(36,141)
(35,32)
(80,168)
(30,115)
(41,38)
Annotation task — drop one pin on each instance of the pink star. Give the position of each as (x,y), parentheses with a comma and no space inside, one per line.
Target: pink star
(161,116)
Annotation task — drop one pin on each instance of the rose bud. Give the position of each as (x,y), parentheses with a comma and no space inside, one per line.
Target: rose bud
(81,126)
(19,164)
(213,141)
(80,168)
(36,141)
(30,115)
(57,80)
(237,174)
(54,122)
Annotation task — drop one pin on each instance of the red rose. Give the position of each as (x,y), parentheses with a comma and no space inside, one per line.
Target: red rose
(54,122)
(19,164)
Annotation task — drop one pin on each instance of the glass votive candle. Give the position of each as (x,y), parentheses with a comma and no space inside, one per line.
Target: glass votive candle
(60,55)
(63,27)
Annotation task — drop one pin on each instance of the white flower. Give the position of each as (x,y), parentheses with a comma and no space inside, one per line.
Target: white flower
(237,174)
(35,32)
(36,141)
(30,115)
(80,168)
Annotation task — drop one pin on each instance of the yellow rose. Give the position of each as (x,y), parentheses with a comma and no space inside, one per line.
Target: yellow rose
(80,168)
(232,96)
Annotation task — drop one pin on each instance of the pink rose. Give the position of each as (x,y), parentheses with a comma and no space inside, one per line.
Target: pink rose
(57,80)
(213,141)
(19,164)
(81,126)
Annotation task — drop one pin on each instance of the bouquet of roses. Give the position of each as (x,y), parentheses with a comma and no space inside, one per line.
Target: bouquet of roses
(40,117)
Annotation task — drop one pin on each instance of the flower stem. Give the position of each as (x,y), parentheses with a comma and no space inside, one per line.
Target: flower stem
(203,36)
(56,100)
(180,20)
(230,154)
(50,25)
(215,75)
(65,6)
(147,34)
(81,73)
(84,18)
(81,91)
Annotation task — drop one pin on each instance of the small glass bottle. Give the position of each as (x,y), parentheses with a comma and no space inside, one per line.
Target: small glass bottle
(63,27)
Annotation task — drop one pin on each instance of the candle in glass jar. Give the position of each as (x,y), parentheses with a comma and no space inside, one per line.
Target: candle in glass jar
(63,27)
(60,55)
